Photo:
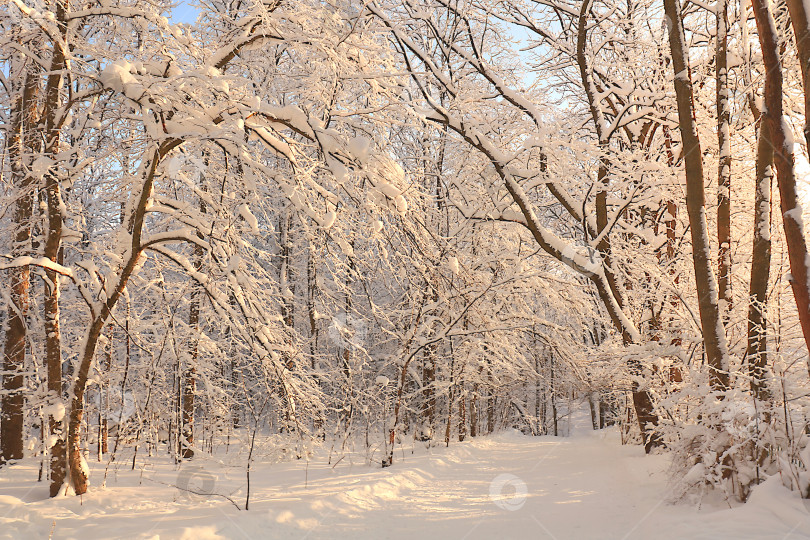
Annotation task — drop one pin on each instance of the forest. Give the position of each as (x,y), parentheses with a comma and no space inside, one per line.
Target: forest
(299,237)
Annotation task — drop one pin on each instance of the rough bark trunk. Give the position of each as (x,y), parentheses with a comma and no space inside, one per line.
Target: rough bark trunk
(312,293)
(474,409)
(603,414)
(462,414)
(19,145)
(491,411)
(53,356)
(594,413)
(190,374)
(553,395)
(287,288)
(429,359)
(53,242)
(429,375)
(428,388)
(103,436)
(539,396)
(288,305)
(714,338)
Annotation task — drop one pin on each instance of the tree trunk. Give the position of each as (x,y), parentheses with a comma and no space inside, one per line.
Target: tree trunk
(103,436)
(462,414)
(429,359)
(491,411)
(288,305)
(538,394)
(140,197)
(553,395)
(19,144)
(474,409)
(77,469)
(783,146)
(53,356)
(603,414)
(285,270)
(801,31)
(594,412)
(714,338)
(190,375)
(53,243)
(312,292)
(724,163)
(756,353)
(428,388)
(600,125)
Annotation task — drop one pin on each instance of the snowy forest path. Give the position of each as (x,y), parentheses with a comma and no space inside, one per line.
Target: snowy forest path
(587,486)
(507,485)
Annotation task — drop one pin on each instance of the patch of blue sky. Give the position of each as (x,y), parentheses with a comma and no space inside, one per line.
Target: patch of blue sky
(184,12)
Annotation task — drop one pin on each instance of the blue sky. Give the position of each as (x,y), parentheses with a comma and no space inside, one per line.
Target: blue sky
(184,12)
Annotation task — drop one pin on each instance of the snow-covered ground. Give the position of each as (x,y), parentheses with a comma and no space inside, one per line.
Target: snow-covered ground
(503,486)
